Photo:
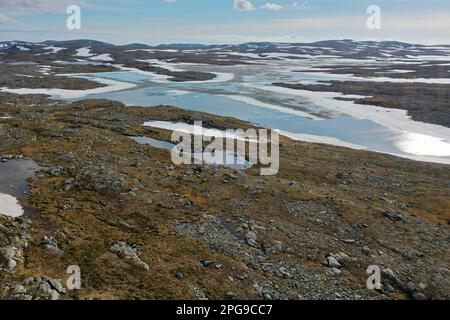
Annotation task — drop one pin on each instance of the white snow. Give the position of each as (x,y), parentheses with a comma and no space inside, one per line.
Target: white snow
(84,52)
(102,57)
(320,139)
(191,129)
(112,85)
(423,145)
(255,102)
(162,64)
(53,49)
(10,206)
(411,135)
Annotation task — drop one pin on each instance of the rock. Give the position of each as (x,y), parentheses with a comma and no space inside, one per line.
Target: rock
(267,296)
(336,271)
(28,281)
(284,272)
(54,171)
(342,257)
(56,284)
(127,253)
(407,256)
(410,287)
(251,238)
(333,263)
(388,273)
(394,216)
(230,296)
(19,289)
(8,258)
(207,263)
(422,286)
(366,250)
(44,289)
(51,244)
(418,296)
(54,295)
(179,275)
(277,247)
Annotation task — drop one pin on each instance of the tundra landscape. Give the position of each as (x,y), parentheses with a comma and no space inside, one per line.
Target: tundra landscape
(93,206)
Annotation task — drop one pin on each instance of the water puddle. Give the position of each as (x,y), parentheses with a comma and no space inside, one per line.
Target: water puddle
(14,174)
(226,158)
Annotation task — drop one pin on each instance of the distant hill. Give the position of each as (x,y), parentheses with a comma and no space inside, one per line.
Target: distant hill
(78,43)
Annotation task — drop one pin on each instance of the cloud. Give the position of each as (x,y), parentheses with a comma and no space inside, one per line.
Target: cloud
(243,5)
(271,6)
(39,5)
(5,19)
(170,1)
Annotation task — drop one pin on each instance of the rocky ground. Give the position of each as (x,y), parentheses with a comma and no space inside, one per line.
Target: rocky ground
(140,227)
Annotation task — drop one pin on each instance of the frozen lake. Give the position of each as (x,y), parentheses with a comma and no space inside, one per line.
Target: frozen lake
(246,93)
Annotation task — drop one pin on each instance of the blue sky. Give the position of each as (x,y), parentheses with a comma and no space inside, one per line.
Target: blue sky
(225,21)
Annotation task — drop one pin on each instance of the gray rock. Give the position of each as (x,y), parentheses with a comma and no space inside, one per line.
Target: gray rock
(51,244)
(418,296)
(54,295)
(388,273)
(56,285)
(336,271)
(366,250)
(333,263)
(410,287)
(208,263)
(8,258)
(19,289)
(128,253)
(44,289)
(394,216)
(28,281)
(230,296)
(251,238)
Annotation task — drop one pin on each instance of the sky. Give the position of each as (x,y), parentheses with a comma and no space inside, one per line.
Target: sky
(226,21)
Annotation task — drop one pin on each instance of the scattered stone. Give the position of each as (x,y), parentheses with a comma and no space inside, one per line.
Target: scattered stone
(230,296)
(410,287)
(251,238)
(333,263)
(393,216)
(56,284)
(418,296)
(51,244)
(7,258)
(336,271)
(207,263)
(128,253)
(28,281)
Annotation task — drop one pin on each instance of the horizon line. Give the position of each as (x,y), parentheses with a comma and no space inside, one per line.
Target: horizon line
(224,43)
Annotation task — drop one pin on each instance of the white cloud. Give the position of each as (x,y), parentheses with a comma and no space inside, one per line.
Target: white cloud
(243,5)
(39,5)
(271,6)
(5,19)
